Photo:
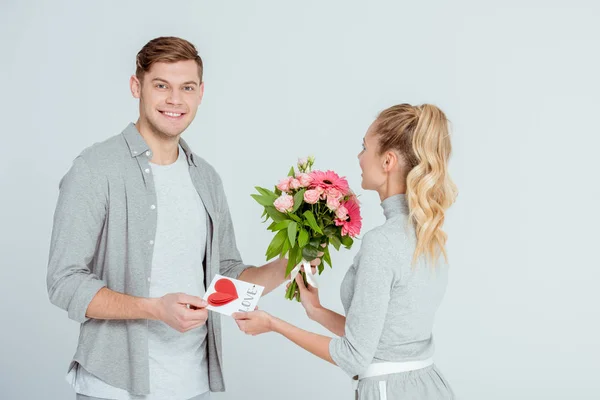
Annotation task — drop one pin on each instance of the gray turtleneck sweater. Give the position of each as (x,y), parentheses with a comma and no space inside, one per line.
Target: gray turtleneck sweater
(390,305)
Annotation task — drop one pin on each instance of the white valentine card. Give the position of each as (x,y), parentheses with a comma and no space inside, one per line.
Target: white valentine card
(228,295)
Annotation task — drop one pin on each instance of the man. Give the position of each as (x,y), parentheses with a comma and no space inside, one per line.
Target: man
(141,227)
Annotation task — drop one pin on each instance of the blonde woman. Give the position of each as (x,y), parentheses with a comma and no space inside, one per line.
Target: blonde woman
(398,279)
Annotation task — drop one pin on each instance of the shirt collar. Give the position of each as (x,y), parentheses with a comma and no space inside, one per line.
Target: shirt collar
(138,146)
(394,206)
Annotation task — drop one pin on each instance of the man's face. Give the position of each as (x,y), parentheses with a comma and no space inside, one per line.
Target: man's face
(169,94)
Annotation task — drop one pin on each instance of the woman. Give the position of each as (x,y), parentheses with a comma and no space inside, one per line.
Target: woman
(396,283)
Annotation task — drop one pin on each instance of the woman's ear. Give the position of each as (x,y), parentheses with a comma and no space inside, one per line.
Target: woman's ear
(390,161)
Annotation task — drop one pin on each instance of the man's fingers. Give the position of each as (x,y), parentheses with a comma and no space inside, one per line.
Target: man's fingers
(194,301)
(194,326)
(200,314)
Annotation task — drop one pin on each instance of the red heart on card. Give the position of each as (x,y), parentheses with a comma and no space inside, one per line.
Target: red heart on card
(225,293)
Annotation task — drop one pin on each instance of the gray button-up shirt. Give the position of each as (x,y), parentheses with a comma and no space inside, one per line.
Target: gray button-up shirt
(103,235)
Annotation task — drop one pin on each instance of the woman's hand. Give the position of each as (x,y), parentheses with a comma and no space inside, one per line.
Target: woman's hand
(309,297)
(254,323)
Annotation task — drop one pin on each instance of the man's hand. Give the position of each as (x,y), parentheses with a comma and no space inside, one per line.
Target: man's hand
(181,312)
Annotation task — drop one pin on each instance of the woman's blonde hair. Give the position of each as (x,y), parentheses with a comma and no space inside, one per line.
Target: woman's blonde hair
(420,134)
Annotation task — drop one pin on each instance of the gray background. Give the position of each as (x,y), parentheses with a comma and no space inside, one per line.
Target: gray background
(518,79)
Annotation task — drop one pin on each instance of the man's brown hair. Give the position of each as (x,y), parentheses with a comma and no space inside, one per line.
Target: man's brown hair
(167,49)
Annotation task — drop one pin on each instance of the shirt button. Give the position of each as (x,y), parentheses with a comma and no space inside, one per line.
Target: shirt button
(134,152)
(148,153)
(152,207)
(147,170)
(148,279)
(151,242)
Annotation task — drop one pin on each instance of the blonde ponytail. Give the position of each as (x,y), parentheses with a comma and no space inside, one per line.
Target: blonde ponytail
(429,189)
(421,135)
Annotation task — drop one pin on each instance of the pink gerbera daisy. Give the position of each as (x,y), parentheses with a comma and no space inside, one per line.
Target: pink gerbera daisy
(329,180)
(353,223)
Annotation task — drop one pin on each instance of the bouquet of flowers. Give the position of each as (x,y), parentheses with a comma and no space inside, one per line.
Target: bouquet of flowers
(310,210)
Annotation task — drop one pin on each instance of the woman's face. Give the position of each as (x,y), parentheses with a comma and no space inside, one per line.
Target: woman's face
(371,162)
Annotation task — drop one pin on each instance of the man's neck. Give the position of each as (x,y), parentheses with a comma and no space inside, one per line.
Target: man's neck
(165,150)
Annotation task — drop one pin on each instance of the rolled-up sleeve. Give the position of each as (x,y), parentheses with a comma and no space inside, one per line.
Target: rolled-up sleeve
(230,261)
(78,221)
(366,315)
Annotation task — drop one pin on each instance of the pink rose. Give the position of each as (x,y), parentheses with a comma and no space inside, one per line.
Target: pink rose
(284,184)
(305,179)
(311,196)
(342,213)
(333,203)
(284,203)
(336,194)
(322,193)
(295,184)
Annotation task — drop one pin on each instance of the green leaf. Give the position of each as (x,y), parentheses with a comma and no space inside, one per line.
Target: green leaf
(292,173)
(298,256)
(312,222)
(291,231)
(276,244)
(321,268)
(291,260)
(275,215)
(266,192)
(347,241)
(315,241)
(285,248)
(327,256)
(277,226)
(298,199)
(303,237)
(272,253)
(262,200)
(264,214)
(335,241)
(330,230)
(295,218)
(273,225)
(309,253)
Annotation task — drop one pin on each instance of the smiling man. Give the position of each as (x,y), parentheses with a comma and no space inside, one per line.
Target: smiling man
(141,227)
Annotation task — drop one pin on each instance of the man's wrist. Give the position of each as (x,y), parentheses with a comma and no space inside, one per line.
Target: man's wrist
(151,307)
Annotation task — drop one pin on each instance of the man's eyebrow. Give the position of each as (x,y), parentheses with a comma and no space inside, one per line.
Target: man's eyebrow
(184,83)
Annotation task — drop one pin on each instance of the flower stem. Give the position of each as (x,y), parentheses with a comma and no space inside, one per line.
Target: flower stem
(291,290)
